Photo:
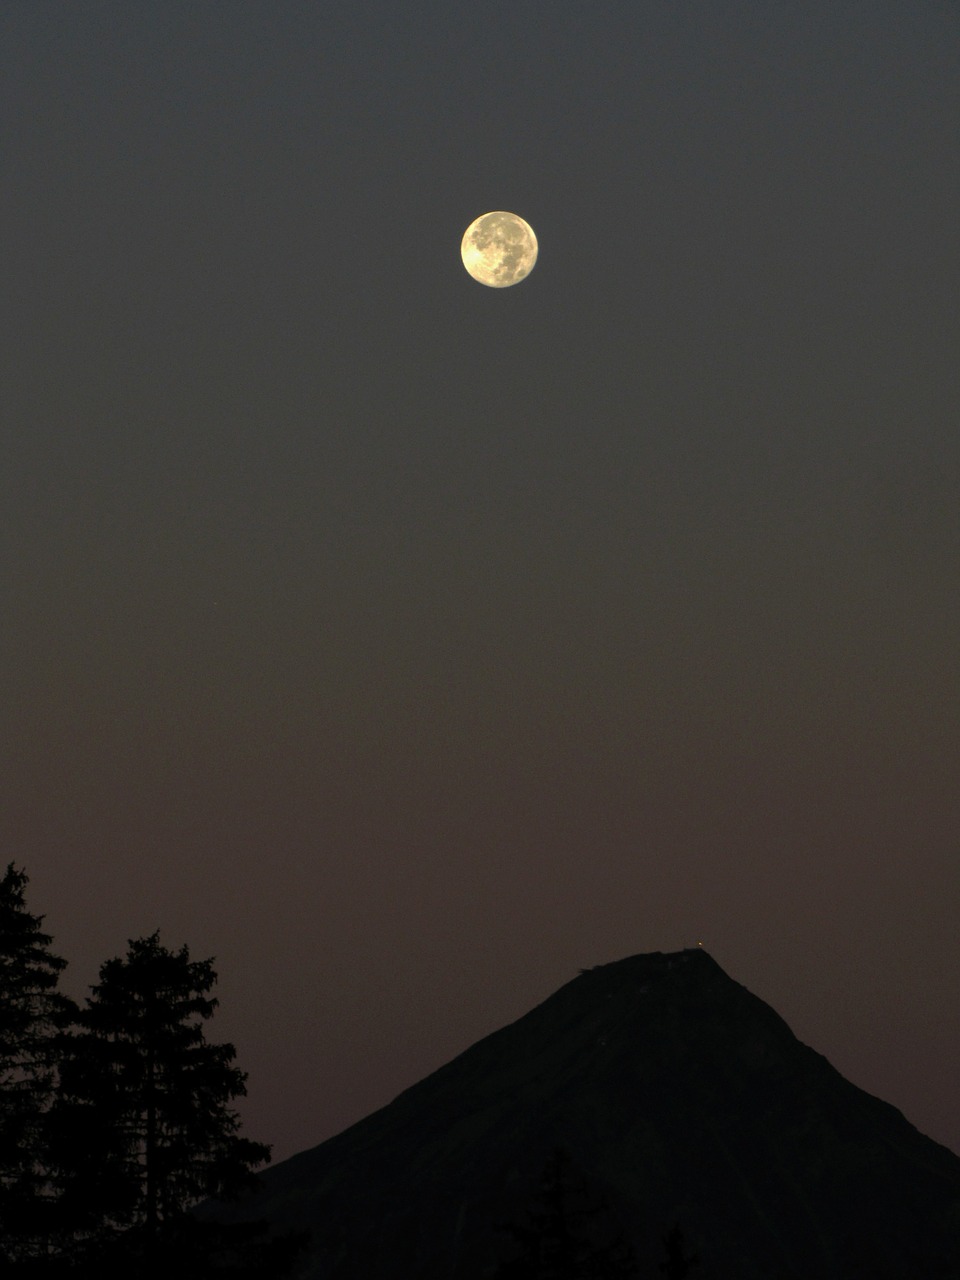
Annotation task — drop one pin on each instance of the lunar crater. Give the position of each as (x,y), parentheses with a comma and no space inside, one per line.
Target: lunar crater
(499,249)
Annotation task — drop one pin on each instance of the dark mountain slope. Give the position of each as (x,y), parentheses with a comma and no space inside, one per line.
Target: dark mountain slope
(680,1097)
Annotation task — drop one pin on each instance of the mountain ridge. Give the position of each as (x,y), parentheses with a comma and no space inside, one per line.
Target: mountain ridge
(681,1097)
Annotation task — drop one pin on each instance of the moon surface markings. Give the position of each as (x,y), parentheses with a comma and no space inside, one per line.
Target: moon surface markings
(499,249)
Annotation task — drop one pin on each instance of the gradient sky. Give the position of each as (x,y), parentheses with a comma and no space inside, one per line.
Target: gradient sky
(407,645)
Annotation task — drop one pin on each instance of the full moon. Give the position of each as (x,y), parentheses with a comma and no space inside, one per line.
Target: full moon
(499,249)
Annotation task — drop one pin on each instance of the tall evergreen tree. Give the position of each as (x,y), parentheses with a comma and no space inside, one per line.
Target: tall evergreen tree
(566,1232)
(144,1127)
(676,1265)
(32,1014)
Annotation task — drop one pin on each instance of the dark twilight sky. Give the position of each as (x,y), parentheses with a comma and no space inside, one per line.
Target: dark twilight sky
(407,645)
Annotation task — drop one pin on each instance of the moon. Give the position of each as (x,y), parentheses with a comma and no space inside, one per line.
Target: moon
(499,249)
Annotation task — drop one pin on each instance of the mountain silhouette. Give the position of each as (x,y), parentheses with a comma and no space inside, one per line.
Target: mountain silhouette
(679,1099)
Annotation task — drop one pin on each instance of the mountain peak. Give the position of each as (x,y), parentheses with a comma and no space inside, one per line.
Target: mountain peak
(680,1098)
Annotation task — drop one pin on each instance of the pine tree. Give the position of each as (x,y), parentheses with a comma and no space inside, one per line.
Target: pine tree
(32,1014)
(676,1265)
(566,1233)
(144,1127)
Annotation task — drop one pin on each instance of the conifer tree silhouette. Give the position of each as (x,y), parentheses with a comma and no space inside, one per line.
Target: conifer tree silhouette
(676,1265)
(143,1126)
(32,1014)
(563,1235)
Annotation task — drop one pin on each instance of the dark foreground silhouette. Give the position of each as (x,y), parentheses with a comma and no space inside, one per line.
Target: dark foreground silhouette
(116,1118)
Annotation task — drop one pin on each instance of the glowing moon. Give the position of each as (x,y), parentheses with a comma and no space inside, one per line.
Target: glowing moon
(499,249)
